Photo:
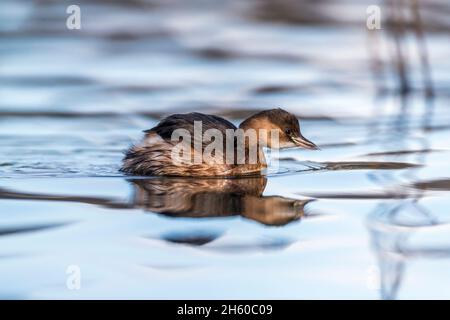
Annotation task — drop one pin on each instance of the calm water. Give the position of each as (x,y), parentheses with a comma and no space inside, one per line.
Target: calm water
(365,217)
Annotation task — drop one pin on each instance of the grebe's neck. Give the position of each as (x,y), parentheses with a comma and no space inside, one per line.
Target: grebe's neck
(250,123)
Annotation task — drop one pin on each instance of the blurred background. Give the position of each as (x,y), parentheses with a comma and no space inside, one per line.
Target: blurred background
(375,101)
(151,56)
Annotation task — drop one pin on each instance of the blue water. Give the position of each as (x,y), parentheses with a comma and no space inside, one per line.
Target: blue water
(366,217)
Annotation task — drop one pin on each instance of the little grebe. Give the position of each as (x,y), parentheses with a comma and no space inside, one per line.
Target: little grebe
(154,154)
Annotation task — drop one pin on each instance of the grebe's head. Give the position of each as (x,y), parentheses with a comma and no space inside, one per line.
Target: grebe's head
(284,123)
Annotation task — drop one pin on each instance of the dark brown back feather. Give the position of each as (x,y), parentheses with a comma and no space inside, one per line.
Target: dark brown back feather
(186,121)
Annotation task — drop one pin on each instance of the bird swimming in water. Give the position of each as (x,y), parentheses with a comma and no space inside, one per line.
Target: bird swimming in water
(153,156)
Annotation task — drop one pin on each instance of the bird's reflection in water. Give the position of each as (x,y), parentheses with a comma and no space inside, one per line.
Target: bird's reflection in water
(201,198)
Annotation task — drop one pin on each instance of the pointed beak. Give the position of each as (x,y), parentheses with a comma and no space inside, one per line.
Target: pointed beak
(302,142)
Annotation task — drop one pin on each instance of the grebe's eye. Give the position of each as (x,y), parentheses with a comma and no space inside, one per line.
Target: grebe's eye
(288,131)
